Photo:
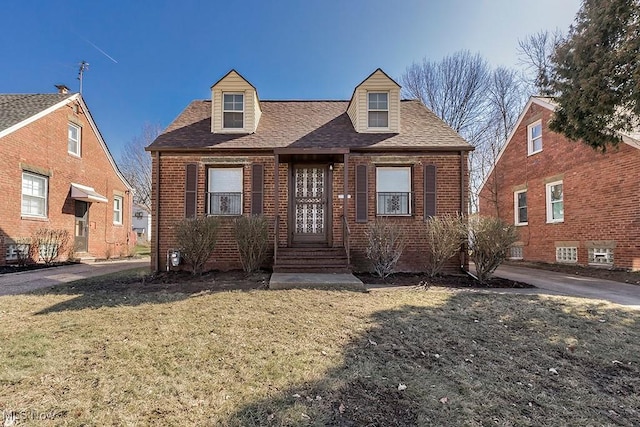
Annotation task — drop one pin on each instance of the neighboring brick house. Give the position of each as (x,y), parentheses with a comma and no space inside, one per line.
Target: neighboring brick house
(389,157)
(570,203)
(56,172)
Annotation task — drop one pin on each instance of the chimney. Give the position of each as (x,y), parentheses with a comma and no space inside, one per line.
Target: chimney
(62,89)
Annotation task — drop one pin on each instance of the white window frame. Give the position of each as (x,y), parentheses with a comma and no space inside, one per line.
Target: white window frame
(409,193)
(567,254)
(531,140)
(210,193)
(44,198)
(117,209)
(516,208)
(378,110)
(550,218)
(233,111)
(78,141)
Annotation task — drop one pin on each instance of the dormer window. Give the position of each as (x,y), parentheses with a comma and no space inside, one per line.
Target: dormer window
(378,109)
(233,111)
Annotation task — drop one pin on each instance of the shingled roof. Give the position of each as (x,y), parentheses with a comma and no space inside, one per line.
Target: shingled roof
(308,124)
(14,108)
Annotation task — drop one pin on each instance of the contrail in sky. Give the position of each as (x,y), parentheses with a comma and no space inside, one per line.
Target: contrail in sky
(97,48)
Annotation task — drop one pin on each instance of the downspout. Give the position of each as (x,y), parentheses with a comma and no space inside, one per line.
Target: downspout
(156,214)
(464,254)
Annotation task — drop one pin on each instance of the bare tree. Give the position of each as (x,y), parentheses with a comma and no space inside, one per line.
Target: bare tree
(480,104)
(535,52)
(453,88)
(505,97)
(135,164)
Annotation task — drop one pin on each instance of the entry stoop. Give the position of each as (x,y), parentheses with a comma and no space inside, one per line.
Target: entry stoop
(316,280)
(311,259)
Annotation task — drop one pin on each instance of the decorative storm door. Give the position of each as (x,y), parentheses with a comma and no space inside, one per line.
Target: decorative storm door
(309,204)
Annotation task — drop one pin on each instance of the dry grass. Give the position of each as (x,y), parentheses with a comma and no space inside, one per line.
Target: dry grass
(309,357)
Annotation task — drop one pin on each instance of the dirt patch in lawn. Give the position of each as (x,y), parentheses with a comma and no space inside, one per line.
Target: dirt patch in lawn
(631,277)
(453,281)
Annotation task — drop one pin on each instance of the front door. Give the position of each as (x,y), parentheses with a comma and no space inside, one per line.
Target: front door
(82,230)
(309,204)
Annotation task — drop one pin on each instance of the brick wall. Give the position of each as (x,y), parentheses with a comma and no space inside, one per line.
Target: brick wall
(42,145)
(601,194)
(172,194)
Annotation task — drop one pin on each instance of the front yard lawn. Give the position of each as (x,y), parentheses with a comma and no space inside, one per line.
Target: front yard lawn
(86,355)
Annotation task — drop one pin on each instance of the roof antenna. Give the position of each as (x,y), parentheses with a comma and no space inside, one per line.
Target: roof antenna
(84,65)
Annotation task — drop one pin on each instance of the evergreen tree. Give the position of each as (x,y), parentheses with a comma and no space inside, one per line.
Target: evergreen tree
(597,73)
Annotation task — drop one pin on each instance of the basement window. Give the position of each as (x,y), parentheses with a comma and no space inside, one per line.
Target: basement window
(601,256)
(567,254)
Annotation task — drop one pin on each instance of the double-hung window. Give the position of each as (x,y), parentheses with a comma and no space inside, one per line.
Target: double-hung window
(117,210)
(534,137)
(74,139)
(378,109)
(224,196)
(393,186)
(233,110)
(34,195)
(555,202)
(520,208)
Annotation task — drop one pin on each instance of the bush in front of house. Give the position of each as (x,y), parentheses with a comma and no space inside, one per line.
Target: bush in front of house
(385,244)
(445,235)
(489,241)
(196,238)
(49,243)
(252,237)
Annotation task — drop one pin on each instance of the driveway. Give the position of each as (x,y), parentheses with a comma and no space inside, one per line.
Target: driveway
(19,283)
(555,283)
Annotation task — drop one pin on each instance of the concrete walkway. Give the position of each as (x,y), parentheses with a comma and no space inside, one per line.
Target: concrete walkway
(315,280)
(551,282)
(19,283)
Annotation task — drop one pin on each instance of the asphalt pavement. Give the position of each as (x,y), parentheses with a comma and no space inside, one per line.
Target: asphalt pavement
(25,281)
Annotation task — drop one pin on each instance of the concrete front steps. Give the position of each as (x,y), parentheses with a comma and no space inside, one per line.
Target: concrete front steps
(311,259)
(313,267)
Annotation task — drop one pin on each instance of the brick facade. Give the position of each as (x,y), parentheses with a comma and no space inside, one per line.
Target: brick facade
(600,194)
(169,195)
(41,146)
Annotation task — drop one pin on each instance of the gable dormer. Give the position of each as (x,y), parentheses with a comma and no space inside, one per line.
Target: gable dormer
(235,107)
(375,105)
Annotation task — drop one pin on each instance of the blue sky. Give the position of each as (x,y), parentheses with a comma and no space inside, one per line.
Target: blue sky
(149,59)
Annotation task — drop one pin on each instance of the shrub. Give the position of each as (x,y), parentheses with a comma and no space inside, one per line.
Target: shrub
(385,243)
(196,240)
(489,242)
(50,243)
(24,250)
(252,237)
(445,235)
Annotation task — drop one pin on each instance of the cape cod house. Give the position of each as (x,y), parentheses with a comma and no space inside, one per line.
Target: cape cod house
(320,171)
(571,204)
(56,172)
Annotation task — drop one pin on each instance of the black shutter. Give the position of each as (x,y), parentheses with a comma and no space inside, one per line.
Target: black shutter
(361,193)
(191,190)
(429,191)
(257,189)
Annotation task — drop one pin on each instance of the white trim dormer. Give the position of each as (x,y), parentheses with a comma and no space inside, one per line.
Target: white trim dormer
(362,106)
(234,86)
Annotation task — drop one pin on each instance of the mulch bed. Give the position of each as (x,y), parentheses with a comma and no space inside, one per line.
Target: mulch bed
(452,281)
